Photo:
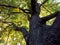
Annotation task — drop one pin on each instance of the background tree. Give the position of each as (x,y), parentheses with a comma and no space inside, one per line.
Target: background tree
(21,15)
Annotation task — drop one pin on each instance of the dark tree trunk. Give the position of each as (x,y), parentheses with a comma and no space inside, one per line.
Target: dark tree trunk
(35,31)
(35,28)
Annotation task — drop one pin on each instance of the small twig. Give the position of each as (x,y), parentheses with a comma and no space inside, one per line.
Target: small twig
(43,2)
(46,9)
(7,36)
(7,22)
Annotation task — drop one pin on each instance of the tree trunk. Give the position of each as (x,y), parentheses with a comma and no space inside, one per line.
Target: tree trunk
(35,31)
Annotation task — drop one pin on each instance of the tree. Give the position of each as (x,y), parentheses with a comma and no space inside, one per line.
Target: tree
(39,33)
(36,35)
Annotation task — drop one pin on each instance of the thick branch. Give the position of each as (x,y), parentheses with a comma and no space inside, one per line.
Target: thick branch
(44,19)
(56,24)
(33,6)
(24,10)
(22,29)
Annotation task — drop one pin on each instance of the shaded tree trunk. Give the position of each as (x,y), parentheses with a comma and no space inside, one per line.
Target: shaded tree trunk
(35,28)
(35,31)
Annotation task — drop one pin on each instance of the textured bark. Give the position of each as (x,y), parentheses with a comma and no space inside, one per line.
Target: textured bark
(35,29)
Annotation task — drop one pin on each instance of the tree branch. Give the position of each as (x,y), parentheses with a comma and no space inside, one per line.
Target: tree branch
(33,6)
(56,23)
(43,2)
(46,9)
(24,10)
(22,29)
(44,19)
